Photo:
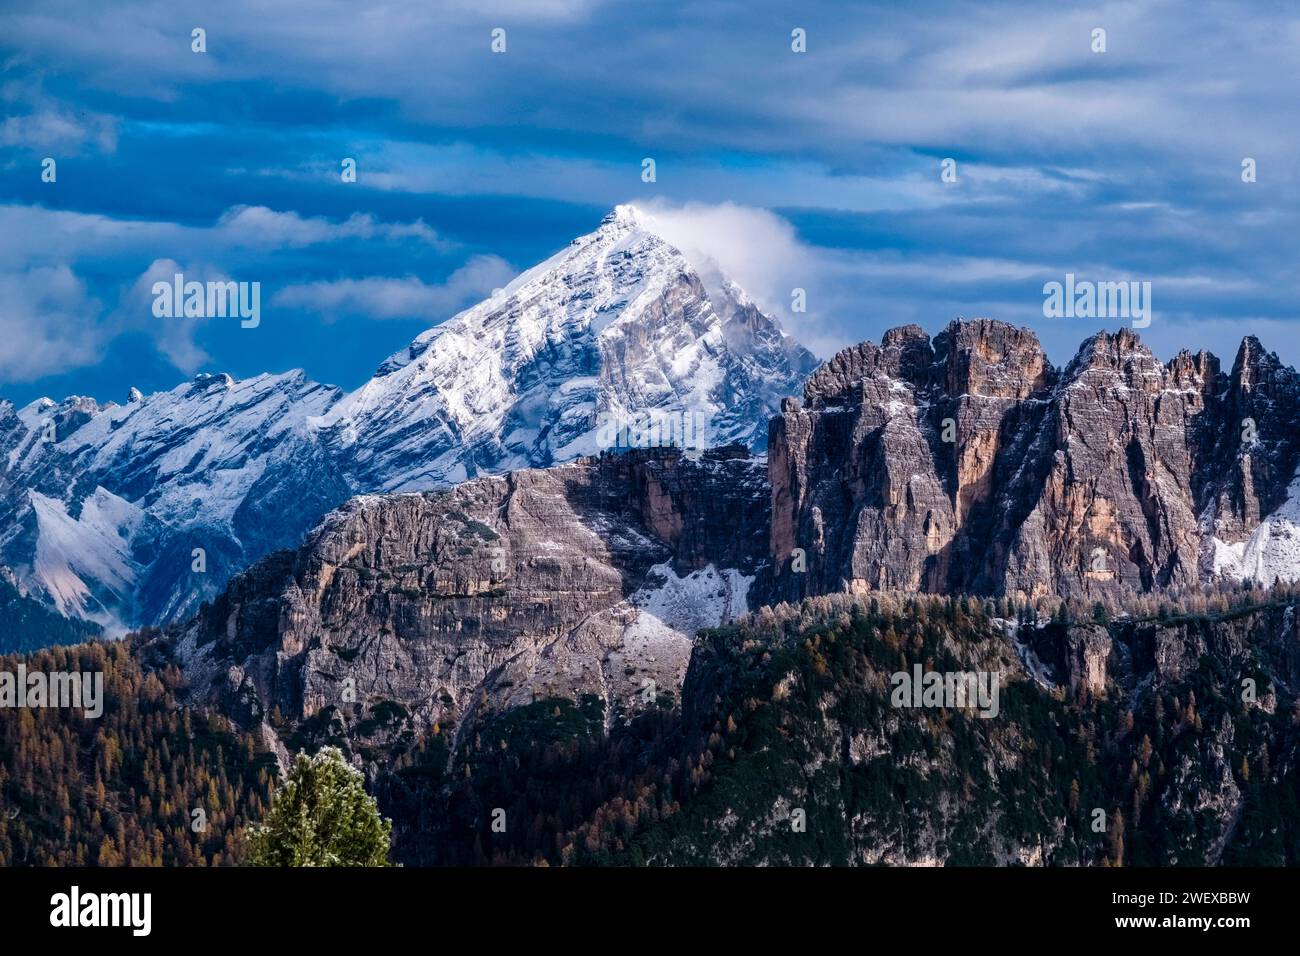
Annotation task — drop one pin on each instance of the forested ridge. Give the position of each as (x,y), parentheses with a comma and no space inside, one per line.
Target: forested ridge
(783,748)
(791,711)
(122,789)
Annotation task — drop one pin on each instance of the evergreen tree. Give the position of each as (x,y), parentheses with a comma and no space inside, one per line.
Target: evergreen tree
(322,816)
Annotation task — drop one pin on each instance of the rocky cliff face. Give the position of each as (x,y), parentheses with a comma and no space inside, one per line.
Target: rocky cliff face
(587,578)
(557,642)
(968,464)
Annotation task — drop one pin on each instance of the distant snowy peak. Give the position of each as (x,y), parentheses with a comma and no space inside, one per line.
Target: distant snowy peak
(618,325)
(135,513)
(202,430)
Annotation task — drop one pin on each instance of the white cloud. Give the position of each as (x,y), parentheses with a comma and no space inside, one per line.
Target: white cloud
(51,129)
(51,323)
(1178,79)
(48,323)
(460,170)
(37,121)
(260,226)
(399,298)
(756,248)
(762,253)
(173,337)
(65,235)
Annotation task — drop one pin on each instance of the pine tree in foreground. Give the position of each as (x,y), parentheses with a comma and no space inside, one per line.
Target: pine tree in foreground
(322,816)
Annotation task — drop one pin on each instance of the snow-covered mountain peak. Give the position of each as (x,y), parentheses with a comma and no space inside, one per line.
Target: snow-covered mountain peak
(625,214)
(620,222)
(615,324)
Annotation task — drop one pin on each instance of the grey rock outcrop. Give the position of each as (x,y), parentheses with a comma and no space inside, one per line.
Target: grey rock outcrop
(968,464)
(586,578)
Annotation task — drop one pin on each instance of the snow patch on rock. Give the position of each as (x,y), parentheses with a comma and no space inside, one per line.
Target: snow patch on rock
(680,606)
(1272,553)
(669,612)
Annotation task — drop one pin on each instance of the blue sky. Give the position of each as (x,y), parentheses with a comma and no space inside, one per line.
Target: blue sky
(818,170)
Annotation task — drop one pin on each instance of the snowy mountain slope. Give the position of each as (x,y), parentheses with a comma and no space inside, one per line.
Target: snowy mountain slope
(102,508)
(93,546)
(617,327)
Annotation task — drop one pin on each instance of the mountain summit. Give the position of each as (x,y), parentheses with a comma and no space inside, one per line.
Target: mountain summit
(617,328)
(134,514)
